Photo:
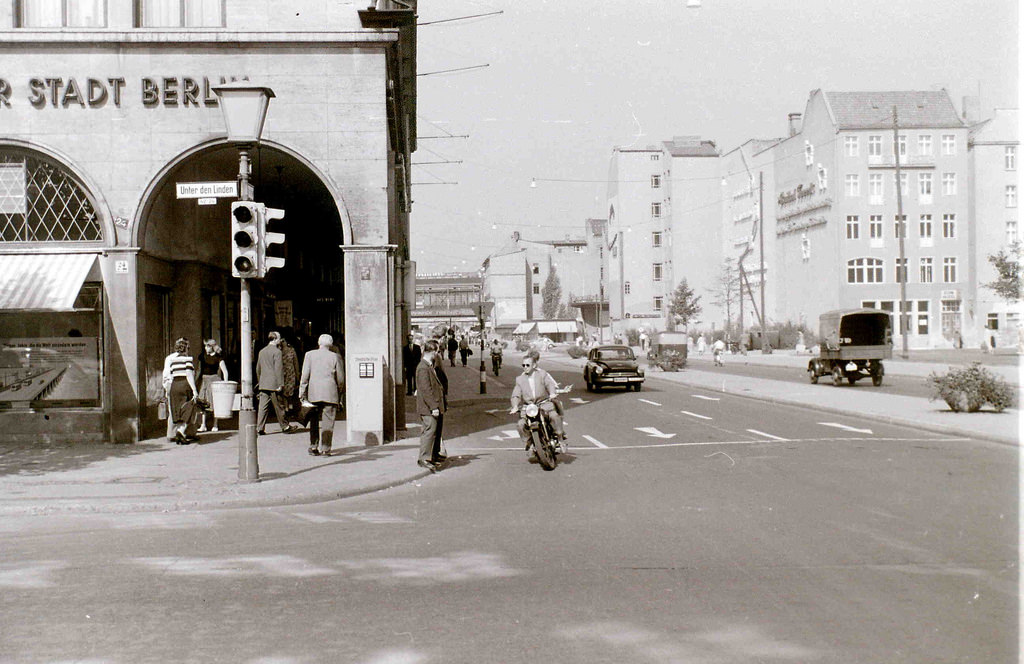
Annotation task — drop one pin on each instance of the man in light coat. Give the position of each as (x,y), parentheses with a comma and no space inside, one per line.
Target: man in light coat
(430,406)
(270,378)
(322,384)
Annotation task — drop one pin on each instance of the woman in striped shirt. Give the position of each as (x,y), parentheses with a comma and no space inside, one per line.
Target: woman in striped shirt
(180,372)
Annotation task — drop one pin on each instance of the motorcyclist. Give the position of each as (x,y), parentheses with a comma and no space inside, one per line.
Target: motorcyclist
(533,385)
(718,348)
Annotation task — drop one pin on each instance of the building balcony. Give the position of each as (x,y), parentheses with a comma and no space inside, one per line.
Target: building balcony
(906,161)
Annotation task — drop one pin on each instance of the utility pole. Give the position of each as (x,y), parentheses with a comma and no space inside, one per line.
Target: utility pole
(901,227)
(760,232)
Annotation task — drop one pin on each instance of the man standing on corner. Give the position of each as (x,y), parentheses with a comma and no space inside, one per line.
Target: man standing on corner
(411,355)
(430,408)
(270,378)
(322,384)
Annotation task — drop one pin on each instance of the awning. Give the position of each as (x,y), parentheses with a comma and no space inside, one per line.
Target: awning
(42,282)
(524,328)
(556,327)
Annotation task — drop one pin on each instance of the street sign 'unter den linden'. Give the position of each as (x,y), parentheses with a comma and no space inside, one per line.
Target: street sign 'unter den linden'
(207,189)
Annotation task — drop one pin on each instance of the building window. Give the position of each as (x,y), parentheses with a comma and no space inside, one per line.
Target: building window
(536,268)
(1010,157)
(655,181)
(924,227)
(949,184)
(949,270)
(903,183)
(874,148)
(41,202)
(852,185)
(1011,195)
(875,227)
(899,226)
(1011,232)
(655,157)
(864,271)
(925,263)
(656,239)
(992,322)
(536,289)
(61,14)
(852,146)
(924,187)
(901,144)
(876,189)
(922,317)
(949,226)
(901,270)
(179,14)
(656,271)
(852,227)
(626,288)
(657,302)
(655,210)
(924,145)
(948,144)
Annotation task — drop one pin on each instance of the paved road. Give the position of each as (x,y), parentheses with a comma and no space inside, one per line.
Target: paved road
(688,527)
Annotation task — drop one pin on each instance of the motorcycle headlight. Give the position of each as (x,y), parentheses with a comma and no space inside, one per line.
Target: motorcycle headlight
(531,410)
(599,370)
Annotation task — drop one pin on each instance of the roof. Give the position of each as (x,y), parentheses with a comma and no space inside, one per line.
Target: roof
(690,146)
(873,110)
(556,327)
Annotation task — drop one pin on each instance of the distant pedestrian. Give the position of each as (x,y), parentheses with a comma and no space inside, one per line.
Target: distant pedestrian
(211,369)
(270,379)
(464,349)
(702,345)
(411,355)
(430,406)
(453,347)
(290,384)
(180,384)
(644,341)
(323,386)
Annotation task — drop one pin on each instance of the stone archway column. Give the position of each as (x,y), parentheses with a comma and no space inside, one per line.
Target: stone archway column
(369,374)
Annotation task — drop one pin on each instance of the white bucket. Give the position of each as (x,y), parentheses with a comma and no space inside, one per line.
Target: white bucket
(223,398)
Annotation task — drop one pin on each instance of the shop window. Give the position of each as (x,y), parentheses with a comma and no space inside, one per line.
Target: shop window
(60,13)
(42,202)
(179,14)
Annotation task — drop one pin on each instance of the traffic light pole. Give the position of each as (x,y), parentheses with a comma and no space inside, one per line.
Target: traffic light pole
(248,457)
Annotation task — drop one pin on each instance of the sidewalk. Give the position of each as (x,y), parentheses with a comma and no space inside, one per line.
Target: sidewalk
(159,476)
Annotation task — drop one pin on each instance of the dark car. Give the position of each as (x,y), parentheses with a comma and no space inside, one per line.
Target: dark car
(612,365)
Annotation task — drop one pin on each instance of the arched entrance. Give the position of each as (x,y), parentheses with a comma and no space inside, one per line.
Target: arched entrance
(185,287)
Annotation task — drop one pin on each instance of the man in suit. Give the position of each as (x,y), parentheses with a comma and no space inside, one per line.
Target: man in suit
(411,355)
(270,377)
(430,406)
(322,384)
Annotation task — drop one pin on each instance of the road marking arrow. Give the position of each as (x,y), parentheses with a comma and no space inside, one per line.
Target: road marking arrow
(507,434)
(701,396)
(595,441)
(653,403)
(496,410)
(846,428)
(702,417)
(653,432)
(578,400)
(766,435)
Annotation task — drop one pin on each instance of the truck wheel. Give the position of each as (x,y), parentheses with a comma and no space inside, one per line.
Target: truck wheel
(837,375)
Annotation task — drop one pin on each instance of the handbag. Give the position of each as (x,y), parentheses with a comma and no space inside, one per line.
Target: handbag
(161,409)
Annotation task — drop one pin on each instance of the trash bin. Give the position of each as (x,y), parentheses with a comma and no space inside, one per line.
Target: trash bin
(223,398)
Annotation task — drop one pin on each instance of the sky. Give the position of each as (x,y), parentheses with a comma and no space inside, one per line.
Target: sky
(567,81)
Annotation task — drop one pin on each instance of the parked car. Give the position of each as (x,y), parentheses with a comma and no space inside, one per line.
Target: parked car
(612,365)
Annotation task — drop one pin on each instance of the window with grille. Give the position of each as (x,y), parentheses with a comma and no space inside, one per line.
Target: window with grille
(42,202)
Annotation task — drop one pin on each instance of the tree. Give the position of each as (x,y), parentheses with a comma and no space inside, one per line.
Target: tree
(726,290)
(551,293)
(684,307)
(1007,265)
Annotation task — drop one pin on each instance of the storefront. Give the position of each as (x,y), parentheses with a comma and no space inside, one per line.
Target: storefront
(103,261)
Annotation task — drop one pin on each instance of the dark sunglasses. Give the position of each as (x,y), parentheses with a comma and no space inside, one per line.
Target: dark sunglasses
(527,365)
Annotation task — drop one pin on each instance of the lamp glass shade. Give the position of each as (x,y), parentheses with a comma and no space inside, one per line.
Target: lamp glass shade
(245,110)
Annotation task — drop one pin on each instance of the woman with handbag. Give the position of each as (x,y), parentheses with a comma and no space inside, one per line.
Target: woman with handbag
(180,383)
(211,369)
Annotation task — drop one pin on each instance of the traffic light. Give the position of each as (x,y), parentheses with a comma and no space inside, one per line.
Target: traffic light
(245,217)
(268,238)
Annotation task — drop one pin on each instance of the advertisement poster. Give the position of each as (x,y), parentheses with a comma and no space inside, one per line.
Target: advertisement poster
(49,371)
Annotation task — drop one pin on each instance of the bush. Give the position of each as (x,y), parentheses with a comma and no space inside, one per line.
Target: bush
(969,388)
(632,337)
(789,333)
(576,351)
(670,360)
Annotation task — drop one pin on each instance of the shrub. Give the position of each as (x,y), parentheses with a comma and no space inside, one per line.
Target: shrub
(789,333)
(576,351)
(670,360)
(969,388)
(632,337)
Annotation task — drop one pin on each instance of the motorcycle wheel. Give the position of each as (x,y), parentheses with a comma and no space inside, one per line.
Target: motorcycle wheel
(545,454)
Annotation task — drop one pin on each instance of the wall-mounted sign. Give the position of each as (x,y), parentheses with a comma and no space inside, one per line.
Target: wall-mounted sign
(97,92)
(207,189)
(120,267)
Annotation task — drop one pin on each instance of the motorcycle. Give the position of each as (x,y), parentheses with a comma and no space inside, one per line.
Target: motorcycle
(718,357)
(542,434)
(495,362)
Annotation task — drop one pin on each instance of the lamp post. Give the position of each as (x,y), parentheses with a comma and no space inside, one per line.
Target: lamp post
(482,309)
(244,107)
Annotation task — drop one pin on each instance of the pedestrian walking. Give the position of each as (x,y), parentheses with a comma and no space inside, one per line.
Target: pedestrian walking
(411,355)
(211,369)
(702,345)
(290,384)
(464,350)
(322,387)
(430,406)
(180,385)
(644,341)
(270,379)
(453,347)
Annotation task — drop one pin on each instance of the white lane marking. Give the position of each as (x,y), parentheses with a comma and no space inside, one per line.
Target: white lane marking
(496,410)
(595,441)
(281,566)
(506,434)
(653,432)
(702,417)
(34,574)
(766,435)
(845,427)
(653,403)
(649,446)
(701,396)
(578,400)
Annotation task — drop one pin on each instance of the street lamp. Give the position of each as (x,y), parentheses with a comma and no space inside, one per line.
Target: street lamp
(244,107)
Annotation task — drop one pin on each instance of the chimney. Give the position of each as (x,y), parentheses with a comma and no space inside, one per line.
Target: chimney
(794,123)
(972,109)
